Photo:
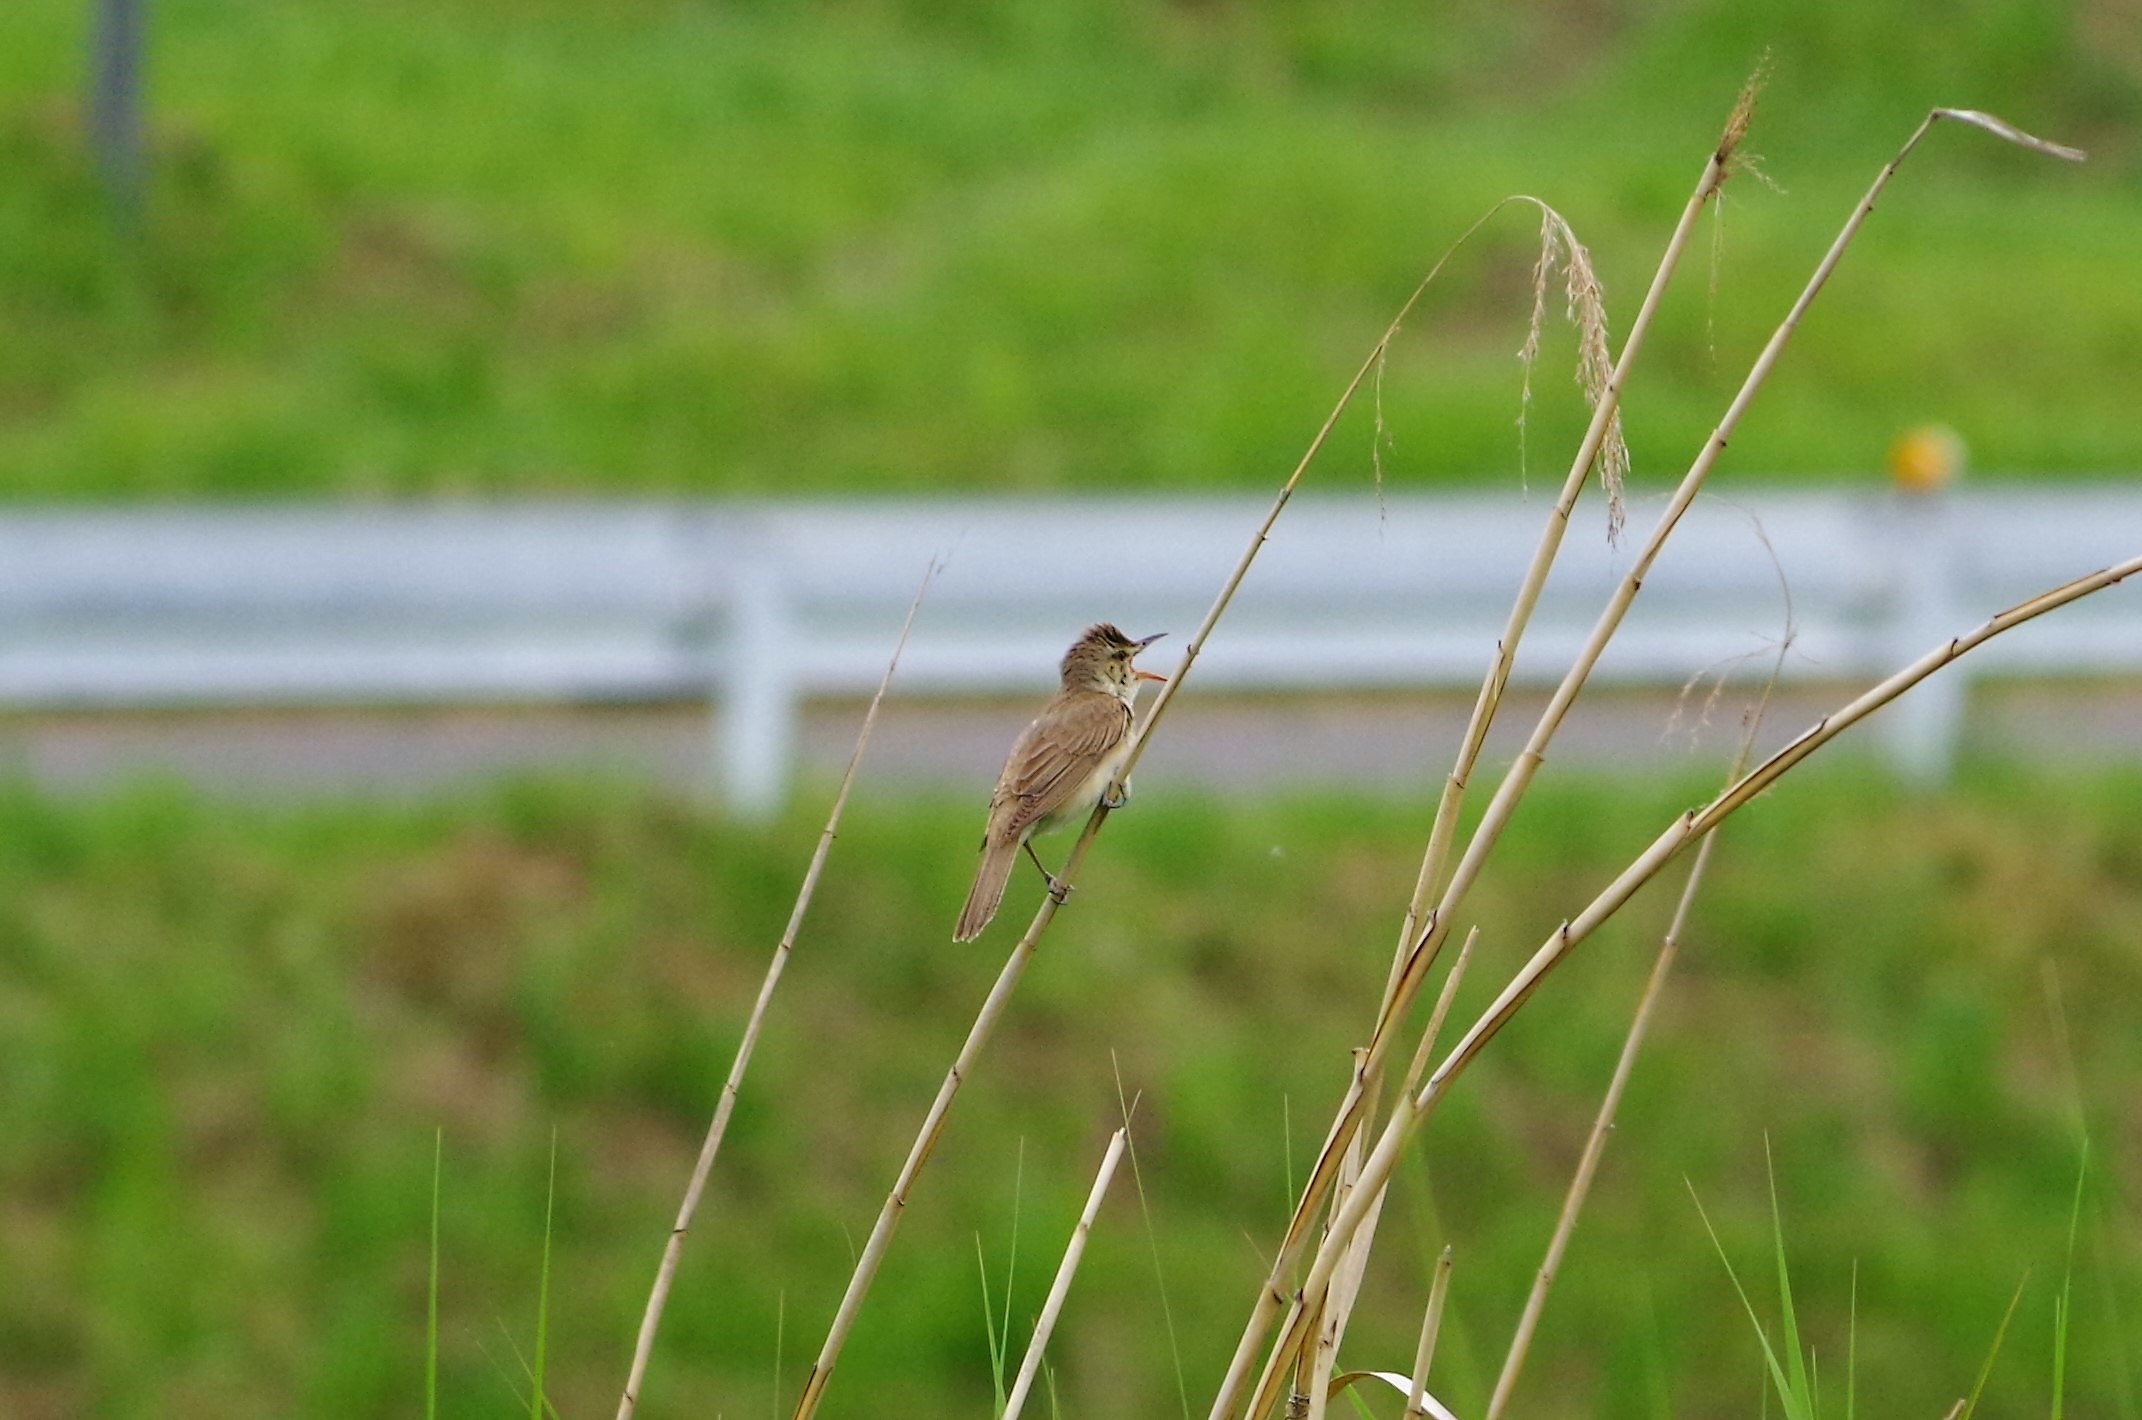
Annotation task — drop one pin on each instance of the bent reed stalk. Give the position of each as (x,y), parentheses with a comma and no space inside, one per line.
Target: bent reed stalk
(1361,1085)
(673,1249)
(1689,828)
(1516,781)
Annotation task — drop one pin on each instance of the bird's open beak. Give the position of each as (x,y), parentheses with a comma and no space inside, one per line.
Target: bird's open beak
(1141,672)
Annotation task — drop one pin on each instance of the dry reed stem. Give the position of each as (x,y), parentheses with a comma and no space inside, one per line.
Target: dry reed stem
(1595,1144)
(1586,310)
(1335,1309)
(1431,1327)
(1430,937)
(992,1010)
(1339,1299)
(1520,774)
(1689,827)
(672,1250)
(1441,1010)
(1604,412)
(918,1154)
(1274,1295)
(1073,1251)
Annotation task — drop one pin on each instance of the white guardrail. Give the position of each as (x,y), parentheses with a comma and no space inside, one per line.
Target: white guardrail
(758,606)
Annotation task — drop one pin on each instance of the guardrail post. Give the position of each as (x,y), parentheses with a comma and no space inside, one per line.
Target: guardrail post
(115,103)
(1921,732)
(759,703)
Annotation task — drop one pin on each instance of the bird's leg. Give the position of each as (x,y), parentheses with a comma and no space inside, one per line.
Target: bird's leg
(1116,795)
(1058,888)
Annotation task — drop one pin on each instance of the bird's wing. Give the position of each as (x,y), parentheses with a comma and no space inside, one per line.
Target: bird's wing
(1054,757)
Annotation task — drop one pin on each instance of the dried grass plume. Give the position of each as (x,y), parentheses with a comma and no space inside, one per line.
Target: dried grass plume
(1586,310)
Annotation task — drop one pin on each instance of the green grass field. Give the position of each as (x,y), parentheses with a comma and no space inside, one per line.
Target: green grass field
(473,247)
(231,1033)
(650,247)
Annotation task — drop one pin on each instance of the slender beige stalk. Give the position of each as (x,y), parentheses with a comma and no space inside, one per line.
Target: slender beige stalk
(1338,1303)
(1311,1382)
(1441,1010)
(1431,1326)
(1429,935)
(1519,777)
(1716,170)
(1604,412)
(918,1154)
(1580,1184)
(673,1249)
(1688,828)
(1550,544)
(1273,1295)
(1054,1306)
(1595,1144)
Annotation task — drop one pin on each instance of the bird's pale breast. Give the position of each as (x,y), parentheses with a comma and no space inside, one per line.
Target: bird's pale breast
(1089,791)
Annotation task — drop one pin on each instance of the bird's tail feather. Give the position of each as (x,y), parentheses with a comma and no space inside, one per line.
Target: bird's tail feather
(995,871)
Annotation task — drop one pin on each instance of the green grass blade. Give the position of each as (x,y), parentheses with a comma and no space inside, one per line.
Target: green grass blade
(1125,1106)
(989,1327)
(2060,1346)
(1851,1364)
(1800,1400)
(1659,1396)
(542,1336)
(1770,1359)
(2000,1334)
(549,1408)
(1011,1263)
(431,1298)
(780,1336)
(2114,1338)
(2062,1303)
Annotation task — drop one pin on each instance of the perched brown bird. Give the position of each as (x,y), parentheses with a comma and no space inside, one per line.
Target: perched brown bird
(1060,766)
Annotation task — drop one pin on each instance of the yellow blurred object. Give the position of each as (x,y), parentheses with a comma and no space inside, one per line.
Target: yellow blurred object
(1926,458)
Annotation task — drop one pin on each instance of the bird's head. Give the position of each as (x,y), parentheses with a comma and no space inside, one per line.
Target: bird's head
(1101,659)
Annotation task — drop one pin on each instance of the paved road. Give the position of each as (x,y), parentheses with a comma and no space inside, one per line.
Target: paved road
(1399,743)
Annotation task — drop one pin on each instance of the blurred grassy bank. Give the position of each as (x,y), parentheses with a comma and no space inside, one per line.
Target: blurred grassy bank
(464,246)
(230,1033)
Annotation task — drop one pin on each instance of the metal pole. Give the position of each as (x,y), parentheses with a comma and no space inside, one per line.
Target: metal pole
(1924,730)
(759,700)
(115,103)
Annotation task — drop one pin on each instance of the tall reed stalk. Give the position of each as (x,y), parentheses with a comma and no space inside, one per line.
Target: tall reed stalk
(673,1248)
(1431,931)
(1397,992)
